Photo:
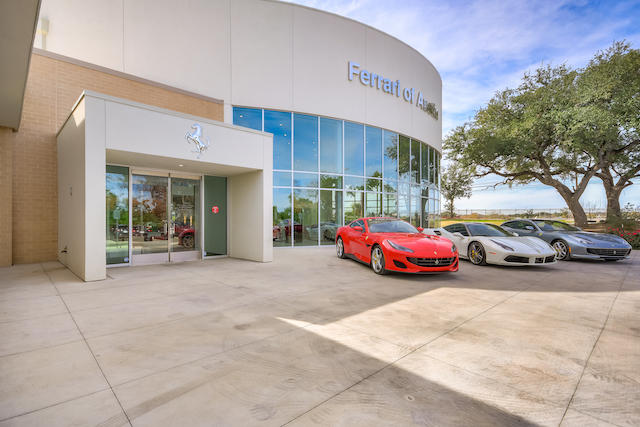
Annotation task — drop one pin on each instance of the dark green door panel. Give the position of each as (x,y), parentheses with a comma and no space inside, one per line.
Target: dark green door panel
(215,224)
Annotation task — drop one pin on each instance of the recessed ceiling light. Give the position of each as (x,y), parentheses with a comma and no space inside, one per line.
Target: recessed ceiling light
(181,165)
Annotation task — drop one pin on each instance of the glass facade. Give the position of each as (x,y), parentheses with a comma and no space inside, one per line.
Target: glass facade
(328,172)
(117,180)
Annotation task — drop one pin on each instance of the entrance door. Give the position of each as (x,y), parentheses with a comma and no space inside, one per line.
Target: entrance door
(165,213)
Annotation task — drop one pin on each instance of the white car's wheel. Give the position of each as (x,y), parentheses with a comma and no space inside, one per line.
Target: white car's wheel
(476,253)
(562,250)
(340,248)
(377,260)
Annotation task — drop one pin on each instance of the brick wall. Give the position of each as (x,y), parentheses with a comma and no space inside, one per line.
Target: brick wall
(6,175)
(53,86)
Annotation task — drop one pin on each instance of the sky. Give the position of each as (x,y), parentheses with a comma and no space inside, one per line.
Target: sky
(480,47)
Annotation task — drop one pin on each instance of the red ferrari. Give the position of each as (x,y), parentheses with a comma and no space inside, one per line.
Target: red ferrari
(390,244)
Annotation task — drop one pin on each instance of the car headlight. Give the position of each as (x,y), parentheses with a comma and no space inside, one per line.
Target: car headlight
(399,247)
(453,248)
(502,245)
(583,240)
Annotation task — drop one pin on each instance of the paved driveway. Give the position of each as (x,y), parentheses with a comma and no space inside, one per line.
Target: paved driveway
(310,339)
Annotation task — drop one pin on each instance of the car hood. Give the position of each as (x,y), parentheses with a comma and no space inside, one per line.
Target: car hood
(522,244)
(418,241)
(599,238)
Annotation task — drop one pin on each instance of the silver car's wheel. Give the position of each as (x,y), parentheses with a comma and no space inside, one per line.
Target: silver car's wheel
(377,260)
(562,250)
(340,247)
(476,254)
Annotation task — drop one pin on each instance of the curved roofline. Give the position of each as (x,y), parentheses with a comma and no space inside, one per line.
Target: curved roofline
(289,3)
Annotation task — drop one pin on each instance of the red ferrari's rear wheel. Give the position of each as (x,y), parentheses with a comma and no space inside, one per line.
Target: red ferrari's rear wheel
(340,247)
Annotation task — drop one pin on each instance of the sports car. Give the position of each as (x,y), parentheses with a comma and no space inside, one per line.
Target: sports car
(483,243)
(571,242)
(390,244)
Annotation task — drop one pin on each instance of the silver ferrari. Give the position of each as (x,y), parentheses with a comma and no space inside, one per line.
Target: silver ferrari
(572,242)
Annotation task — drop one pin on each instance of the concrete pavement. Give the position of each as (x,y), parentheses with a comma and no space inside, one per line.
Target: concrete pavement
(313,340)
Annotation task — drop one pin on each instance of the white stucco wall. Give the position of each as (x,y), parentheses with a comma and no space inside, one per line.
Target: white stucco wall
(259,53)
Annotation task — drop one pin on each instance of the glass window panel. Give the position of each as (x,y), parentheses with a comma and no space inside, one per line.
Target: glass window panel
(305,179)
(404,161)
(425,190)
(281,217)
(390,204)
(404,202)
(330,181)
(279,124)
(374,151)
(185,214)
(390,186)
(305,142)
(374,184)
(424,164)
(415,161)
(282,179)
(330,145)
(353,183)
(353,205)
(330,215)
(437,169)
(424,205)
(353,149)
(390,155)
(431,164)
(117,181)
(305,217)
(416,203)
(248,117)
(373,204)
(149,214)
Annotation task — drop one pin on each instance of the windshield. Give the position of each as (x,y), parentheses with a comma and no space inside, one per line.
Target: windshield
(487,230)
(390,226)
(546,225)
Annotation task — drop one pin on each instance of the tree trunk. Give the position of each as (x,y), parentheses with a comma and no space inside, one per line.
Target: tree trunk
(614,213)
(579,216)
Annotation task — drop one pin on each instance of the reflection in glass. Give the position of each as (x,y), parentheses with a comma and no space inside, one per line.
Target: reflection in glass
(424,164)
(424,205)
(117,181)
(390,204)
(404,202)
(305,217)
(432,167)
(247,117)
(353,205)
(149,214)
(282,179)
(279,124)
(282,217)
(436,169)
(390,186)
(301,179)
(330,145)
(404,161)
(353,183)
(390,155)
(374,184)
(374,151)
(330,215)
(185,213)
(305,142)
(415,161)
(353,149)
(373,204)
(331,181)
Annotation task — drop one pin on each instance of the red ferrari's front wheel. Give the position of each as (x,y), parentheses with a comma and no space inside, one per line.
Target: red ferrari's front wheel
(377,260)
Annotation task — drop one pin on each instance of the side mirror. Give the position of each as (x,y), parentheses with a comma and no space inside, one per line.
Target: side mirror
(515,234)
(529,227)
(358,228)
(458,235)
(420,229)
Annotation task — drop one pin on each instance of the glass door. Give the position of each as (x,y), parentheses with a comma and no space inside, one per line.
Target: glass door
(149,219)
(184,243)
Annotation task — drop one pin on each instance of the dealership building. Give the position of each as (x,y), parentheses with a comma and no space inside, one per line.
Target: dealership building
(137,132)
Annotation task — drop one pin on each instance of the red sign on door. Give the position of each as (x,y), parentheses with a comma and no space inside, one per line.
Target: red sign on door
(215,209)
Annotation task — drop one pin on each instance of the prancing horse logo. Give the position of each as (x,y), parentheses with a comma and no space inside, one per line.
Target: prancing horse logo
(196,138)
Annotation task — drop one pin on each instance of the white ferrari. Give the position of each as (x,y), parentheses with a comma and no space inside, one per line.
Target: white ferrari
(483,243)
